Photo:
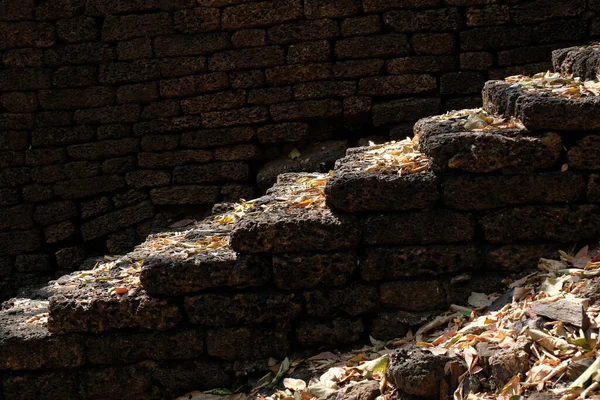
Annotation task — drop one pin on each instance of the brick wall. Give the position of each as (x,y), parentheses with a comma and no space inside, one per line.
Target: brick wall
(119,116)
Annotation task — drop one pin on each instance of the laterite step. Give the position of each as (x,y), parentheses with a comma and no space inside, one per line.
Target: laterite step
(546,101)
(580,61)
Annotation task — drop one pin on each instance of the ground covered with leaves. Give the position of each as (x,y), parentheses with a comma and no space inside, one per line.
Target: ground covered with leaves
(539,337)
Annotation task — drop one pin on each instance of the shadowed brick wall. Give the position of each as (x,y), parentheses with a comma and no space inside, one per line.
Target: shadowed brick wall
(117,116)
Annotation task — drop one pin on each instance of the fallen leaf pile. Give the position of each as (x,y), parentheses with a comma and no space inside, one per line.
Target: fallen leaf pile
(555,84)
(305,192)
(401,157)
(564,353)
(478,119)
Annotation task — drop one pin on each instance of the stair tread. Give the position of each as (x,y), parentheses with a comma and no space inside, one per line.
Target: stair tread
(580,61)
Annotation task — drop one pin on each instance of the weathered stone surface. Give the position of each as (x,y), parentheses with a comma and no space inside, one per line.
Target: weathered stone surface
(494,37)
(45,385)
(195,84)
(30,346)
(540,112)
(217,137)
(517,258)
(421,64)
(403,110)
(357,68)
(114,381)
(196,20)
(57,211)
(240,116)
(366,390)
(304,30)
(17,217)
(168,275)
(242,308)
(331,333)
(306,109)
(358,26)
(494,191)
(407,262)
(103,312)
(211,102)
(127,348)
(188,194)
(19,242)
(191,45)
(77,98)
(306,52)
(586,155)
(444,19)
(412,228)
(449,146)
(351,189)
(308,270)
(246,344)
(173,158)
(354,301)
(417,372)
(579,61)
(563,224)
(283,231)
(213,172)
(108,115)
(19,101)
(414,295)
(78,188)
(593,191)
(116,220)
(249,38)
(290,74)
(261,14)
(384,46)
(251,58)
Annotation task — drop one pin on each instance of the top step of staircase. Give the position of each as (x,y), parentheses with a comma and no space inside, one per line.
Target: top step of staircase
(546,101)
(580,61)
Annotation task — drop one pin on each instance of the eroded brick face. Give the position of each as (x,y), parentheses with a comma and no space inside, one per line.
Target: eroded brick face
(112,108)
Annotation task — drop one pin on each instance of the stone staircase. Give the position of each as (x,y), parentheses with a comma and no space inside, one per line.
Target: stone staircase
(396,233)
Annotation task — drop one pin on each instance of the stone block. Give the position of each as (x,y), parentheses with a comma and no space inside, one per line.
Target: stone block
(196,20)
(306,109)
(213,172)
(294,230)
(315,9)
(298,73)
(24,79)
(462,82)
(161,109)
(267,13)
(269,96)
(579,61)
(103,149)
(433,43)
(495,37)
(45,385)
(16,121)
(403,110)
(250,58)
(137,93)
(44,156)
(138,25)
(563,224)
(116,220)
(69,258)
(216,101)
(242,309)
(286,132)
(57,9)
(356,105)
(113,381)
(315,90)
(352,190)
(79,188)
(361,26)
(527,13)
(128,198)
(329,333)
(159,142)
(396,85)
(414,295)
(191,45)
(26,34)
(382,46)
(135,49)
(79,29)
(181,66)
(216,137)
(19,102)
(119,165)
(540,112)
(381,263)
(494,191)
(54,212)
(479,60)
(307,52)
(518,258)
(247,79)
(376,6)
(246,344)
(13,177)
(93,207)
(249,38)
(19,242)
(415,228)
(586,155)
(184,376)
(128,348)
(308,270)
(77,98)
(32,263)
(303,30)
(105,7)
(181,195)
(82,53)
(494,14)
(357,68)
(240,116)
(449,146)
(238,152)
(13,140)
(9,197)
(17,217)
(194,84)
(394,324)
(16,10)
(53,118)
(59,232)
(74,76)
(353,301)
(109,114)
(443,19)
(126,72)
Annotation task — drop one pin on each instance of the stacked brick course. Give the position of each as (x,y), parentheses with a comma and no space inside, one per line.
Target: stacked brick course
(113,111)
